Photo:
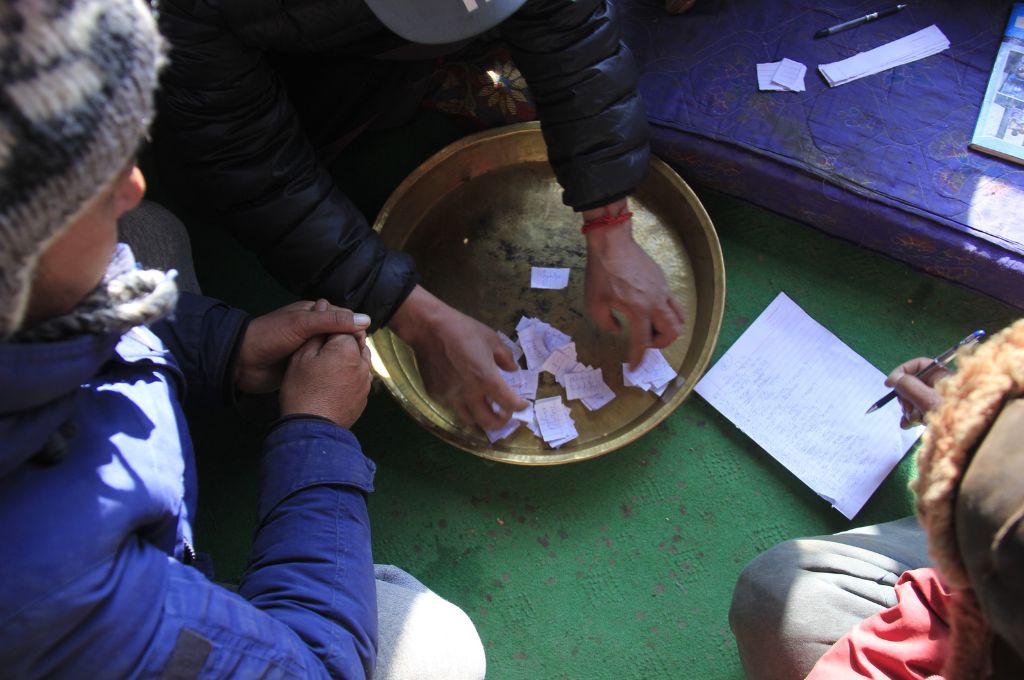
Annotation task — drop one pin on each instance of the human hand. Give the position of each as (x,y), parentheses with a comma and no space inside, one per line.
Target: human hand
(328,376)
(916,395)
(621,276)
(272,338)
(458,358)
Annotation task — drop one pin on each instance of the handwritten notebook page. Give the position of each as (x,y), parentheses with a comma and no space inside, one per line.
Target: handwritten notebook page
(800,393)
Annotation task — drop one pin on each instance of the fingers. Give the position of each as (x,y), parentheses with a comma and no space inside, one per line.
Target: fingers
(310,348)
(326,319)
(639,338)
(344,344)
(907,367)
(489,417)
(677,310)
(918,395)
(503,356)
(603,317)
(494,404)
(668,324)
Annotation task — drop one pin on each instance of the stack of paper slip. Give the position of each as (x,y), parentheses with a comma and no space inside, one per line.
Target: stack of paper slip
(587,384)
(556,425)
(653,374)
(781,76)
(924,43)
(494,435)
(538,340)
(524,383)
(548,349)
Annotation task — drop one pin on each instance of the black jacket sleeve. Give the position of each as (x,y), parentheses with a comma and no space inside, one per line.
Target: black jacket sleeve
(583,80)
(226,114)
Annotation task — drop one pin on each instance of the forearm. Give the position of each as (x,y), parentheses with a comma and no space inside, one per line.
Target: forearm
(311,564)
(417,316)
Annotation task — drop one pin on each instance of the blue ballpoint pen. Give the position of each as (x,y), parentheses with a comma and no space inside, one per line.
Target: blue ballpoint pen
(941,360)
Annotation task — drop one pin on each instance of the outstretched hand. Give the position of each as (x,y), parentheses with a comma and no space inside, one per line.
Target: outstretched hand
(271,339)
(622,277)
(916,395)
(458,359)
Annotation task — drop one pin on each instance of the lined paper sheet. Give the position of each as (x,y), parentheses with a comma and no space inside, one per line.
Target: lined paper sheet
(800,393)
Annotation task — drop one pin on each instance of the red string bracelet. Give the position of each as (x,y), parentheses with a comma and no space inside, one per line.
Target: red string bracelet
(606,221)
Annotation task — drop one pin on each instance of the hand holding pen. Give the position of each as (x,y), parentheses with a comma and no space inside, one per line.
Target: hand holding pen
(914,382)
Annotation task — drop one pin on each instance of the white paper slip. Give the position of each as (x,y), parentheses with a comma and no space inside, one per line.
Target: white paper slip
(496,435)
(554,338)
(781,76)
(653,373)
(800,393)
(524,383)
(531,339)
(924,43)
(526,415)
(562,360)
(599,400)
(554,420)
(584,384)
(512,345)
(549,278)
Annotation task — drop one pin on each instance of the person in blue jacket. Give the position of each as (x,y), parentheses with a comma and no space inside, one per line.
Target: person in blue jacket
(97,474)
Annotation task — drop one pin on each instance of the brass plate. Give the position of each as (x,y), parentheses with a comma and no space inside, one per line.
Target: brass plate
(477,215)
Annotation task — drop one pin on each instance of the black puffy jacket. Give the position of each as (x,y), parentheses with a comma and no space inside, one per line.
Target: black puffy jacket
(226,111)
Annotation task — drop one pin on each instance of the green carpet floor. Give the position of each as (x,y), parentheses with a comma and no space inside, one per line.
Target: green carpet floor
(620,567)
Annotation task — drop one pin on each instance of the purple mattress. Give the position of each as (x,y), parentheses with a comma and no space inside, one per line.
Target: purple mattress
(881,161)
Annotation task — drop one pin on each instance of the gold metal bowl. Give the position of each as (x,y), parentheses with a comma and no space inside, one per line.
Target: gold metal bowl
(477,215)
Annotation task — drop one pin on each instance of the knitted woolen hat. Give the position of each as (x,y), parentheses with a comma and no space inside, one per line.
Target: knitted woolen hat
(76,97)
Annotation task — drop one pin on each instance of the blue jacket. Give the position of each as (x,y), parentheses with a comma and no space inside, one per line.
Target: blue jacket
(93,579)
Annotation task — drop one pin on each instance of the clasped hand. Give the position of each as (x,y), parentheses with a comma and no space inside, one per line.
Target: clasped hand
(315,353)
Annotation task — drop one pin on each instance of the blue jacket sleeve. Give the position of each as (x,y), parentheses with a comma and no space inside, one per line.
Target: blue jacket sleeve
(311,564)
(203,334)
(306,606)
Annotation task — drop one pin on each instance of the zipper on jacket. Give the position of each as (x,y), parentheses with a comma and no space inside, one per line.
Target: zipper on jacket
(189,556)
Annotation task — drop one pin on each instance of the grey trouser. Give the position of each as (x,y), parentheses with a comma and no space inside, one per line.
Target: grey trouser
(421,635)
(792,602)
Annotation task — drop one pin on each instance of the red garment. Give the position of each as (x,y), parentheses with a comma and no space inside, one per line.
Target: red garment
(909,641)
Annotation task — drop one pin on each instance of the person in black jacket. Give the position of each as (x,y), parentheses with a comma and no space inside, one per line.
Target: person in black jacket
(229,112)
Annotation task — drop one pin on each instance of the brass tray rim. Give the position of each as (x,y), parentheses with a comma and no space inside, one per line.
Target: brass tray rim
(566,455)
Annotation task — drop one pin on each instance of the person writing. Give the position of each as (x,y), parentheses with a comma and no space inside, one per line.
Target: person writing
(931,596)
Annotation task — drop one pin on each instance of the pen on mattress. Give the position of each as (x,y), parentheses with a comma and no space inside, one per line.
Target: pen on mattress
(941,360)
(852,23)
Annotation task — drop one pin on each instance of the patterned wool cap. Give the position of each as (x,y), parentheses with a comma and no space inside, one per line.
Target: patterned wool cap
(76,97)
